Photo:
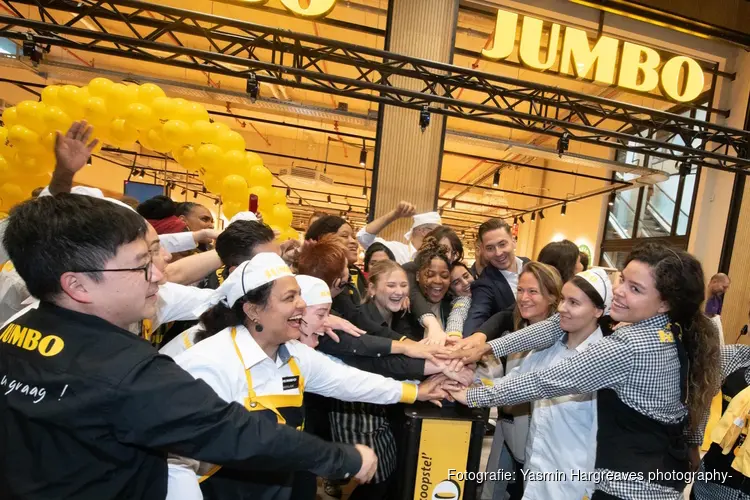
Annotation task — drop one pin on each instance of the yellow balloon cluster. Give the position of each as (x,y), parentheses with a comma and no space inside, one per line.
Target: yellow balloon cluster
(123,114)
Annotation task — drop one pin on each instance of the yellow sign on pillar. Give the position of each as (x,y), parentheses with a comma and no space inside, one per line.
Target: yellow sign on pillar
(443,454)
(315,8)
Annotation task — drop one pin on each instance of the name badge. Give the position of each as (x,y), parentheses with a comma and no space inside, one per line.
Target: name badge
(288,383)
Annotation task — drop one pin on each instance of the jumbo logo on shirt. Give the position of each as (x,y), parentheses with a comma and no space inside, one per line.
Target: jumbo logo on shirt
(32,340)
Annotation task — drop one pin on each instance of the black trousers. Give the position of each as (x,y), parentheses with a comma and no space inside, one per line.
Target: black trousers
(377,491)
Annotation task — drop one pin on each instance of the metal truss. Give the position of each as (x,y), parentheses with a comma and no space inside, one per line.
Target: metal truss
(240,49)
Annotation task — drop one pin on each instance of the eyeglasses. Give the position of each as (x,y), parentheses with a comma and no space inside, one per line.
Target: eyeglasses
(145,269)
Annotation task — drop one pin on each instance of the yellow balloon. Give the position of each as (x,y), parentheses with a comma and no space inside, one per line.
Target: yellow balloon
(202,132)
(122,133)
(263,196)
(23,138)
(234,163)
(11,194)
(163,108)
(212,182)
(254,159)
(192,112)
(234,188)
(57,119)
(140,116)
(119,98)
(289,234)
(96,112)
(3,135)
(37,165)
(72,101)
(36,181)
(10,117)
(50,95)
(48,141)
(100,87)
(187,157)
(176,132)
(148,92)
(261,176)
(232,208)
(143,139)
(278,197)
(231,140)
(282,215)
(211,157)
(157,142)
(5,168)
(31,115)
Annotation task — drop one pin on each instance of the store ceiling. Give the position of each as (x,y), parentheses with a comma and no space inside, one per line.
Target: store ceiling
(347,120)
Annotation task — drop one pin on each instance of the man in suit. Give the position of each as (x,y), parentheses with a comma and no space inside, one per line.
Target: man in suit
(495,290)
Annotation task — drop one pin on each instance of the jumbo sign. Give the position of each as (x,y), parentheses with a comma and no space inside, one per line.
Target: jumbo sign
(680,78)
(304,8)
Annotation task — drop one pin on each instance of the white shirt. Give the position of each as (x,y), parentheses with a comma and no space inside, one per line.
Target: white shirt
(403,252)
(179,303)
(562,434)
(511,277)
(215,361)
(182,342)
(13,292)
(178,242)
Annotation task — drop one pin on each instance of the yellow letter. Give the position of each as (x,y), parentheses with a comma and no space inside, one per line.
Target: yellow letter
(317,8)
(6,333)
(51,345)
(602,57)
(531,43)
(692,79)
(17,336)
(632,65)
(505,36)
(32,340)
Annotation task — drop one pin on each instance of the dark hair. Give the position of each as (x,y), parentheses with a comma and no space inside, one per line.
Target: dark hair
(186,207)
(374,248)
(220,316)
(315,214)
(445,232)
(460,263)
(51,235)
(238,241)
(158,207)
(431,249)
(679,280)
(562,255)
(327,224)
(584,260)
(324,259)
(605,322)
(491,225)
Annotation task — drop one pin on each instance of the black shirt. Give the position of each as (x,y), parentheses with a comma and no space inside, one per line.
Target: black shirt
(94,409)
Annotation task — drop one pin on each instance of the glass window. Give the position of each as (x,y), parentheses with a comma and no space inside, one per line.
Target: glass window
(615,260)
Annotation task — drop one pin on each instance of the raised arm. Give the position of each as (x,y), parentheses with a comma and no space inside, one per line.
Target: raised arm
(366,235)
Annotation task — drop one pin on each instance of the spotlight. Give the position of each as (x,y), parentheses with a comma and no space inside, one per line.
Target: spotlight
(31,51)
(349,208)
(533,216)
(184,192)
(441,212)
(216,201)
(195,194)
(612,196)
(496,179)
(288,192)
(453,204)
(329,198)
(300,200)
(685,169)
(364,191)
(564,209)
(515,220)
(520,218)
(143,173)
(363,157)
(563,143)
(424,117)
(253,87)
(541,214)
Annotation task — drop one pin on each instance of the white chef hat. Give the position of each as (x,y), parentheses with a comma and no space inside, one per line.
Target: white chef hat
(243,216)
(422,219)
(314,290)
(599,281)
(89,191)
(251,274)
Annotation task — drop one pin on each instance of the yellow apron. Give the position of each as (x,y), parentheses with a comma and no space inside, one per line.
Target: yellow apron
(271,402)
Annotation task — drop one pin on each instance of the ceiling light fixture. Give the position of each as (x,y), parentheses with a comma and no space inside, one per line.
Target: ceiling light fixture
(496,178)
(533,216)
(563,209)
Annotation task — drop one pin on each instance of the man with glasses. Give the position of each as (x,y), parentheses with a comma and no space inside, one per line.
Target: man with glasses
(90,410)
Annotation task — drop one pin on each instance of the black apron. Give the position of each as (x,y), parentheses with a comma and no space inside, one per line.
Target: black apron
(715,460)
(225,483)
(629,441)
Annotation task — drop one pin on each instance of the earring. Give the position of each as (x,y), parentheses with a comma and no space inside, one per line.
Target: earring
(258,327)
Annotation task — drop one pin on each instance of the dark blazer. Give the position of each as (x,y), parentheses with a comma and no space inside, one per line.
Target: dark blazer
(490,294)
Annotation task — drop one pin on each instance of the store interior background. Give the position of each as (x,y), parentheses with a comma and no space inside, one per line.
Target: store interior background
(472,151)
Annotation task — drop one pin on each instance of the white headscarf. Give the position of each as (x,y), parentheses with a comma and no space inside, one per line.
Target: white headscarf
(599,281)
